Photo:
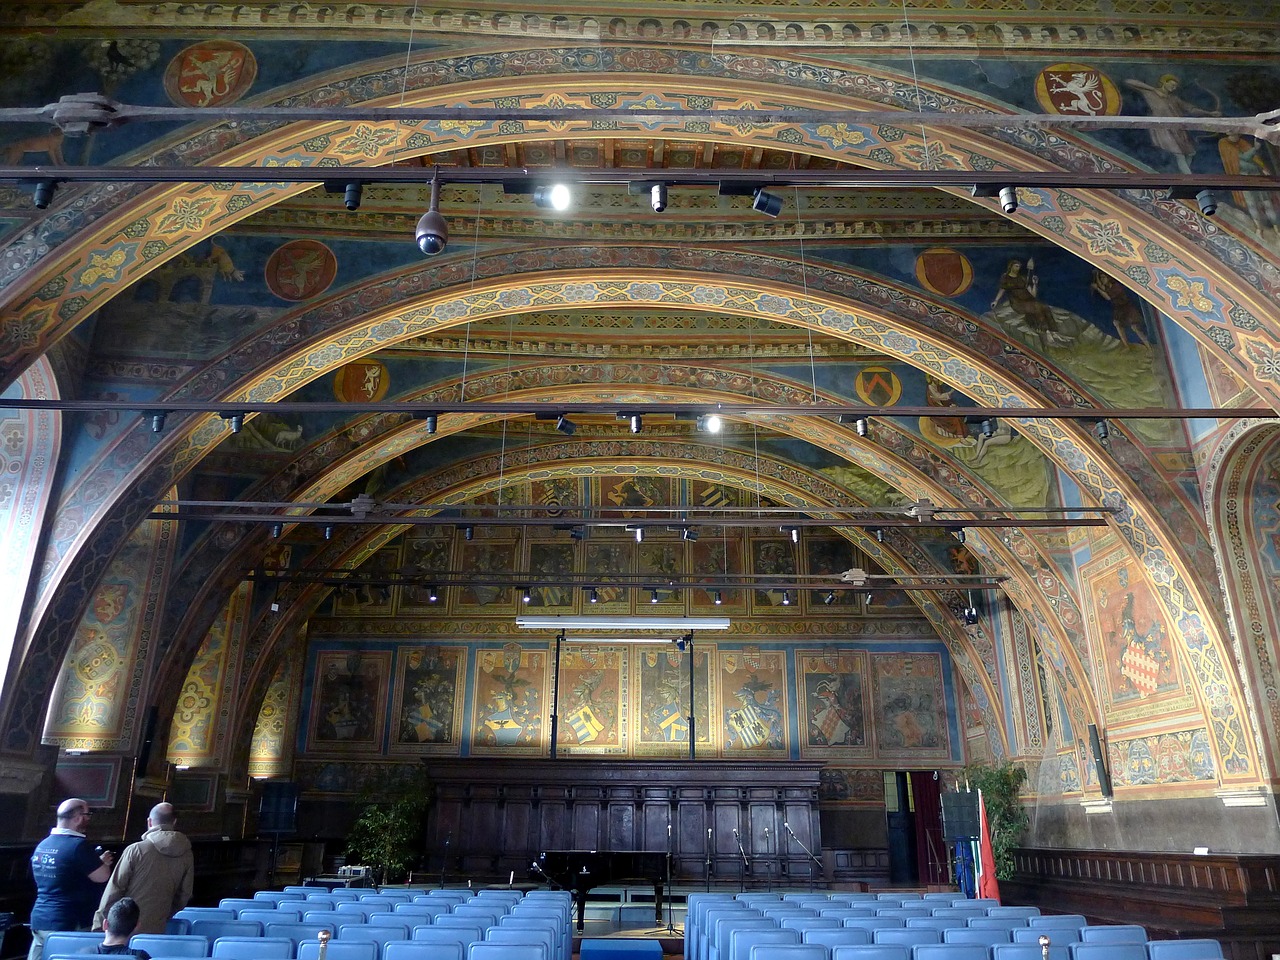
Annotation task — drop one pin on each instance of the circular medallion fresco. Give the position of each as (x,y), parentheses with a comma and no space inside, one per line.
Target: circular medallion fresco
(210,74)
(944,271)
(1077,90)
(878,386)
(361,381)
(300,269)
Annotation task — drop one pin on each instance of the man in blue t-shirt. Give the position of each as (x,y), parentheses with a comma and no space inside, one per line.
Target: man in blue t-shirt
(69,876)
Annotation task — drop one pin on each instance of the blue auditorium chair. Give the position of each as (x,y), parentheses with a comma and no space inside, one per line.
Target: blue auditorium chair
(788,951)
(437,936)
(742,941)
(240,903)
(297,932)
(842,937)
(1013,911)
(340,950)
(253,948)
(1114,933)
(951,951)
(418,950)
(870,951)
(547,944)
(1184,950)
(1108,951)
(906,936)
(211,930)
(934,923)
(979,935)
(277,897)
(168,945)
(500,951)
(63,942)
(1027,951)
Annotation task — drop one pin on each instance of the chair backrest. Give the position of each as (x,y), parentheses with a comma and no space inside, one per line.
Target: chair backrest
(809,923)
(166,945)
(474,929)
(874,923)
(501,951)
(488,913)
(1057,920)
(1058,936)
(723,929)
(341,896)
(964,912)
(240,903)
(365,934)
(365,908)
(390,921)
(418,950)
(416,910)
(906,936)
(741,941)
(870,951)
(934,923)
(253,948)
(981,935)
(841,937)
(510,896)
(205,913)
(1114,933)
(297,932)
(295,888)
(340,950)
(1108,951)
(788,951)
(951,951)
(443,935)
(547,943)
(272,916)
(1184,949)
(65,942)
(211,930)
(276,896)
(1013,911)
(1027,951)
(903,912)
(998,923)
(387,896)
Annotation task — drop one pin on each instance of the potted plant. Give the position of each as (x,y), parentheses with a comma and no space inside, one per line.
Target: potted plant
(1001,785)
(387,837)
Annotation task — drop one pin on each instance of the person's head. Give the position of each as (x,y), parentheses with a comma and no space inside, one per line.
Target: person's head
(1169,83)
(122,918)
(74,814)
(1014,268)
(163,816)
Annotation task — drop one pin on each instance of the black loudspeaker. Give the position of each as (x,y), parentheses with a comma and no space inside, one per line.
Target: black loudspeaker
(960,814)
(278,807)
(1099,761)
(148,740)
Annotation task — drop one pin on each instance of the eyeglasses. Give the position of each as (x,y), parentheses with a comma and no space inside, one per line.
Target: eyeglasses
(85,812)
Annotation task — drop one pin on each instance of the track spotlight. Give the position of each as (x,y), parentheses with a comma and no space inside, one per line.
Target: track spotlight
(432,233)
(469,533)
(786,598)
(829,599)
(432,596)
(578,533)
(593,596)
(866,599)
(639,533)
(328,532)
(43,195)
(157,421)
(554,196)
(566,426)
(351,195)
(690,534)
(862,425)
(525,595)
(658,197)
(960,534)
(711,423)
(879,532)
(1009,199)
(795,534)
(970,613)
(636,423)
(1207,202)
(432,420)
(988,428)
(234,420)
(762,201)
(1102,431)
(717,597)
(653,596)
(276,530)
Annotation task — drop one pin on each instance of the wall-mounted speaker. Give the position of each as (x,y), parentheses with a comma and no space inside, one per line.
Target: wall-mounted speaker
(278,807)
(1099,761)
(960,814)
(148,740)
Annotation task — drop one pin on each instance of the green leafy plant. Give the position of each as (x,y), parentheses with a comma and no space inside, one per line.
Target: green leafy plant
(387,837)
(1001,785)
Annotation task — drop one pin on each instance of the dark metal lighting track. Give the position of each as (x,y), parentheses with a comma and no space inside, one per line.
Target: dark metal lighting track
(680,411)
(1179,185)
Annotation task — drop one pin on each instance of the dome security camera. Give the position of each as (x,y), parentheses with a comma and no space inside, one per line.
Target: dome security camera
(432,234)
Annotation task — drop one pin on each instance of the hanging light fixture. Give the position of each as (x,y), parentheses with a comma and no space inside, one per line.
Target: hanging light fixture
(432,232)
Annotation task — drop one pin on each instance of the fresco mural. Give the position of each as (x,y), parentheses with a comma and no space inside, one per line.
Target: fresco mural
(508,702)
(268,751)
(910,705)
(593,716)
(753,692)
(833,684)
(349,693)
(663,717)
(551,561)
(424,557)
(773,557)
(480,559)
(427,709)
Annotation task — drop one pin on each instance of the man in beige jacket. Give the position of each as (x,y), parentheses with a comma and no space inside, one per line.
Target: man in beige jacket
(157,872)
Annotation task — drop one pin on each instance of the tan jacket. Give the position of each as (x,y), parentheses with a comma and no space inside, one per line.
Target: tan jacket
(157,872)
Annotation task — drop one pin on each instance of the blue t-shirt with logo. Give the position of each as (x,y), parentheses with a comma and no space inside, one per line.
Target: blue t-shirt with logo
(65,896)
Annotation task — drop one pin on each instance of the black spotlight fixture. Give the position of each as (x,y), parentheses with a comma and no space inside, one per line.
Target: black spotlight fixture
(762,201)
(553,196)
(235,421)
(795,534)
(432,233)
(988,428)
(879,532)
(653,596)
(717,597)
(1102,431)
(635,422)
(432,420)
(157,421)
(328,532)
(863,426)
(639,533)
(469,533)
(1205,199)
(786,598)
(688,533)
(970,613)
(43,195)
(578,533)
(658,197)
(432,595)
(525,595)
(593,596)
(351,195)
(960,534)
(1009,199)
(276,530)
(829,599)
(566,426)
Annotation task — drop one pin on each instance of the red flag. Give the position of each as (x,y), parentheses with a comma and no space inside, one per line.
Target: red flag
(987,885)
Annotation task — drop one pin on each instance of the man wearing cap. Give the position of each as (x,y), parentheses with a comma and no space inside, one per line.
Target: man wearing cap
(69,874)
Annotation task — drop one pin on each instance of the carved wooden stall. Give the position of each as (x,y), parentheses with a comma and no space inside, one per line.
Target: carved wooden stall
(498,815)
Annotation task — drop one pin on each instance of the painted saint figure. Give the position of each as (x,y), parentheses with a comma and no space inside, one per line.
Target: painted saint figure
(1020,288)
(1126,316)
(1240,157)
(1163,101)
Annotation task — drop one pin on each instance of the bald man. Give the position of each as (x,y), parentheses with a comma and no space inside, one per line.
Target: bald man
(69,874)
(157,872)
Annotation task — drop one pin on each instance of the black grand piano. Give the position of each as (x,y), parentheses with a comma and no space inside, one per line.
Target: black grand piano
(581,870)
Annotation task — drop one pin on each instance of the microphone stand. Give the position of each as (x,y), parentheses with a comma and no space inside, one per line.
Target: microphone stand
(545,876)
(444,860)
(671,926)
(707,869)
(768,863)
(809,853)
(746,864)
